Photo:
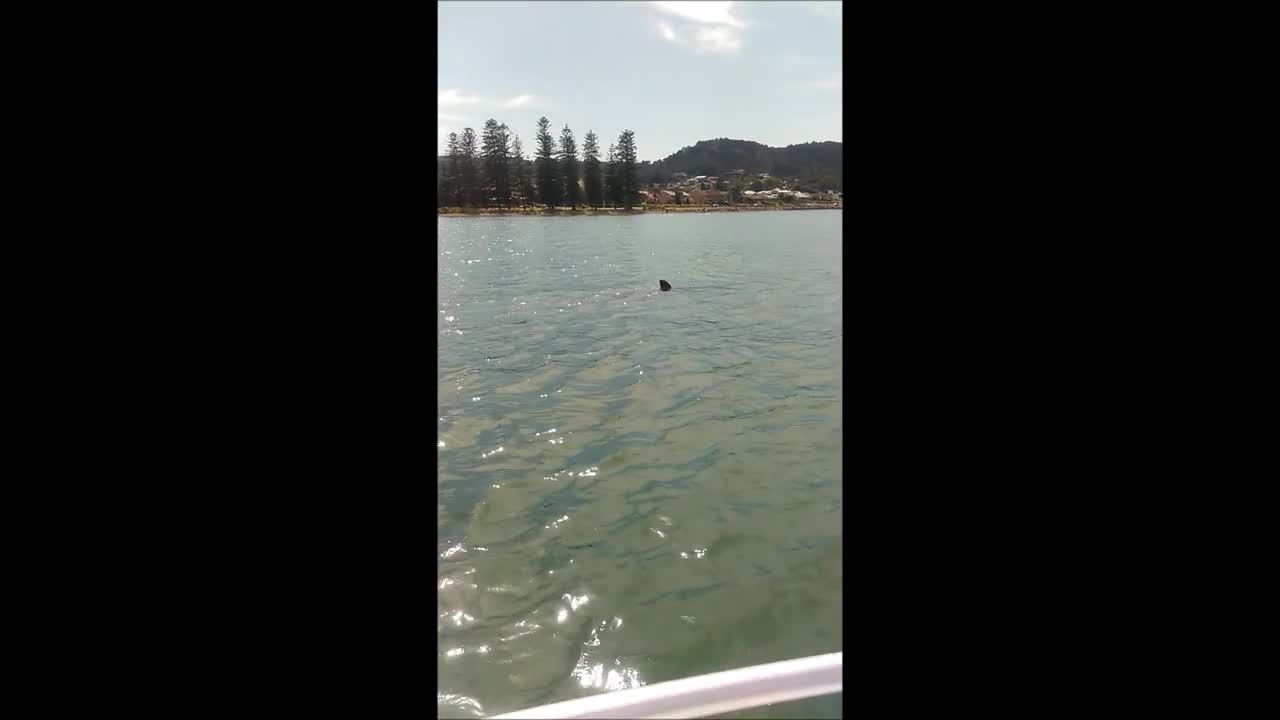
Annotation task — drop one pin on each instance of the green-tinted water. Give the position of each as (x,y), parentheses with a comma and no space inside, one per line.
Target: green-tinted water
(636,486)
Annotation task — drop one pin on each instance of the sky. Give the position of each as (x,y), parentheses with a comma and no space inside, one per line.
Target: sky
(673,72)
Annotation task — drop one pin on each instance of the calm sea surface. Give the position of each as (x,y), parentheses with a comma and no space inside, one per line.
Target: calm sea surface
(636,486)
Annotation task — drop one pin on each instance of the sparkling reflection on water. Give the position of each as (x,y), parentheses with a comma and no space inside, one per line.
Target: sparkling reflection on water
(635,486)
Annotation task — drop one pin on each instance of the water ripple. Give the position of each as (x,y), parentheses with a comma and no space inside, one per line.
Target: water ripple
(634,486)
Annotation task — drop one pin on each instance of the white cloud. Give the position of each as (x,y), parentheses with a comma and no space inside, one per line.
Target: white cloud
(453,119)
(833,10)
(711,24)
(718,39)
(715,13)
(455,97)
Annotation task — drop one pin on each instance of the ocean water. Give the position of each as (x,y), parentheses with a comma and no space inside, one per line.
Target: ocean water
(636,486)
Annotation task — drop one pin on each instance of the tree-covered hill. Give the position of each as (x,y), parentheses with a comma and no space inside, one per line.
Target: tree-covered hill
(819,162)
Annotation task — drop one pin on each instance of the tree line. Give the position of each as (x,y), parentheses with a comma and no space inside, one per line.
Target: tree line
(495,173)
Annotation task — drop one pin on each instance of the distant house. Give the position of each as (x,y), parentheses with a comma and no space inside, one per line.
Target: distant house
(679,176)
(705,197)
(733,173)
(662,197)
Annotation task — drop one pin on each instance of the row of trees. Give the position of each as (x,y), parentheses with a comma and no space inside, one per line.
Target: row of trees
(497,174)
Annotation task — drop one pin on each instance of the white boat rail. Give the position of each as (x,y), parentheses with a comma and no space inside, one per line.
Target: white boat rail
(705,695)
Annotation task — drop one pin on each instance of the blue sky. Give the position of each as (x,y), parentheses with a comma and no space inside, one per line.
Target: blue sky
(674,72)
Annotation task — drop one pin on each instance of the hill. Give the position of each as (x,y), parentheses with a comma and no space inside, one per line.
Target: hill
(815,163)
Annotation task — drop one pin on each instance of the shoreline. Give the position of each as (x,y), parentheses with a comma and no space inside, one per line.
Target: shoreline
(652,210)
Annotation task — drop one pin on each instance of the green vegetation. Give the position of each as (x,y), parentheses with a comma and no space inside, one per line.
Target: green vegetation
(449,174)
(468,185)
(505,178)
(549,187)
(627,167)
(613,188)
(569,168)
(592,178)
(497,170)
(523,183)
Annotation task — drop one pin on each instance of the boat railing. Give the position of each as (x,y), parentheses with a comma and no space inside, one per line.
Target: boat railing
(712,694)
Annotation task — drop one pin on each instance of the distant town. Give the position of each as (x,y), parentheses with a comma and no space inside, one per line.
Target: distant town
(728,189)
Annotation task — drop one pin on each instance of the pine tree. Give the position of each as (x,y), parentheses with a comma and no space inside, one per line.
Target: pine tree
(613,192)
(591,170)
(627,168)
(569,168)
(452,170)
(548,181)
(469,182)
(519,171)
(488,171)
(508,189)
(497,178)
